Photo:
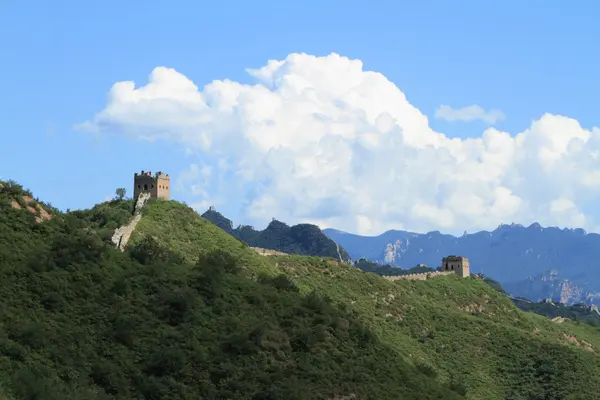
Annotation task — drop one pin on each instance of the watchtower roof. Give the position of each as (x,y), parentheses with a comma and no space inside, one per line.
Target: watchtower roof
(454,258)
(158,174)
(143,173)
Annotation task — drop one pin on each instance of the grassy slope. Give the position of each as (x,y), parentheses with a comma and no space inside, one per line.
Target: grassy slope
(464,329)
(80,320)
(458,326)
(182,230)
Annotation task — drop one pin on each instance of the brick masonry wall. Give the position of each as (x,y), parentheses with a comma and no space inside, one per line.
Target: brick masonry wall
(268,252)
(419,277)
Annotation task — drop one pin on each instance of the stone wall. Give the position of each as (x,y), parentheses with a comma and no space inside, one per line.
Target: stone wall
(419,277)
(268,252)
(121,235)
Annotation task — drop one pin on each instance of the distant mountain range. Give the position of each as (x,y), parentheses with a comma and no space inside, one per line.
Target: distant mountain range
(562,265)
(554,296)
(532,262)
(556,311)
(304,239)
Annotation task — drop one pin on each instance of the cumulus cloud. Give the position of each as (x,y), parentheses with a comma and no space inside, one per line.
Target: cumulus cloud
(194,180)
(321,140)
(469,113)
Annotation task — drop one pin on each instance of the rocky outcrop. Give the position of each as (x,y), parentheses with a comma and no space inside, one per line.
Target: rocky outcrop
(551,286)
(578,342)
(393,251)
(337,247)
(122,234)
(33,207)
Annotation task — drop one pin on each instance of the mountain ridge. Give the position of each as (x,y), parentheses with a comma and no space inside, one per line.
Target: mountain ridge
(304,239)
(512,254)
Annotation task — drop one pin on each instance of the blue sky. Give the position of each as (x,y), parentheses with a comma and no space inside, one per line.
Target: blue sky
(62,57)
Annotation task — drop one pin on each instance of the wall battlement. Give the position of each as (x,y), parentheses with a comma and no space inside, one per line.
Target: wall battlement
(450,265)
(419,277)
(159,174)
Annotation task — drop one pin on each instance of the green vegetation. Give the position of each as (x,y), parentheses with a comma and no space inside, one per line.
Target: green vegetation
(83,321)
(576,312)
(388,270)
(120,193)
(493,283)
(105,217)
(189,312)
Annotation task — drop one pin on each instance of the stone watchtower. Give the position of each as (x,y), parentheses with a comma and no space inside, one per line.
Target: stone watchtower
(158,185)
(457,264)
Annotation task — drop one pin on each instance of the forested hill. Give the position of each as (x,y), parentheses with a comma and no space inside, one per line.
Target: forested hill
(189,312)
(304,239)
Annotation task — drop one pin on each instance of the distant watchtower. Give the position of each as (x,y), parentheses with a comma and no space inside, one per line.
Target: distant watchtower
(158,185)
(457,264)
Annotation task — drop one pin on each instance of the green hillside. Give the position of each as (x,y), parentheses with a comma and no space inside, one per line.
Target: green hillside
(388,270)
(188,312)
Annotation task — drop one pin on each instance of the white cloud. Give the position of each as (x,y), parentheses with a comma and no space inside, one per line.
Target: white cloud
(194,180)
(469,113)
(319,139)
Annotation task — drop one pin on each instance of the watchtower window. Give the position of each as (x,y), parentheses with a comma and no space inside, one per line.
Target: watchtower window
(152,186)
(139,186)
(145,186)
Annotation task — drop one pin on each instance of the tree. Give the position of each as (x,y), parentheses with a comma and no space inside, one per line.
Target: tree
(120,192)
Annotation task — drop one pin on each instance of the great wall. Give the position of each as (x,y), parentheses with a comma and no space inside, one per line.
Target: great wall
(268,252)
(147,186)
(420,276)
(122,234)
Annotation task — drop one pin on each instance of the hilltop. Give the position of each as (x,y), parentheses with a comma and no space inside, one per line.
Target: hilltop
(532,262)
(188,311)
(304,239)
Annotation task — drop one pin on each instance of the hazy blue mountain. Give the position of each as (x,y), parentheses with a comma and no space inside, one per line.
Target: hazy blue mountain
(533,262)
